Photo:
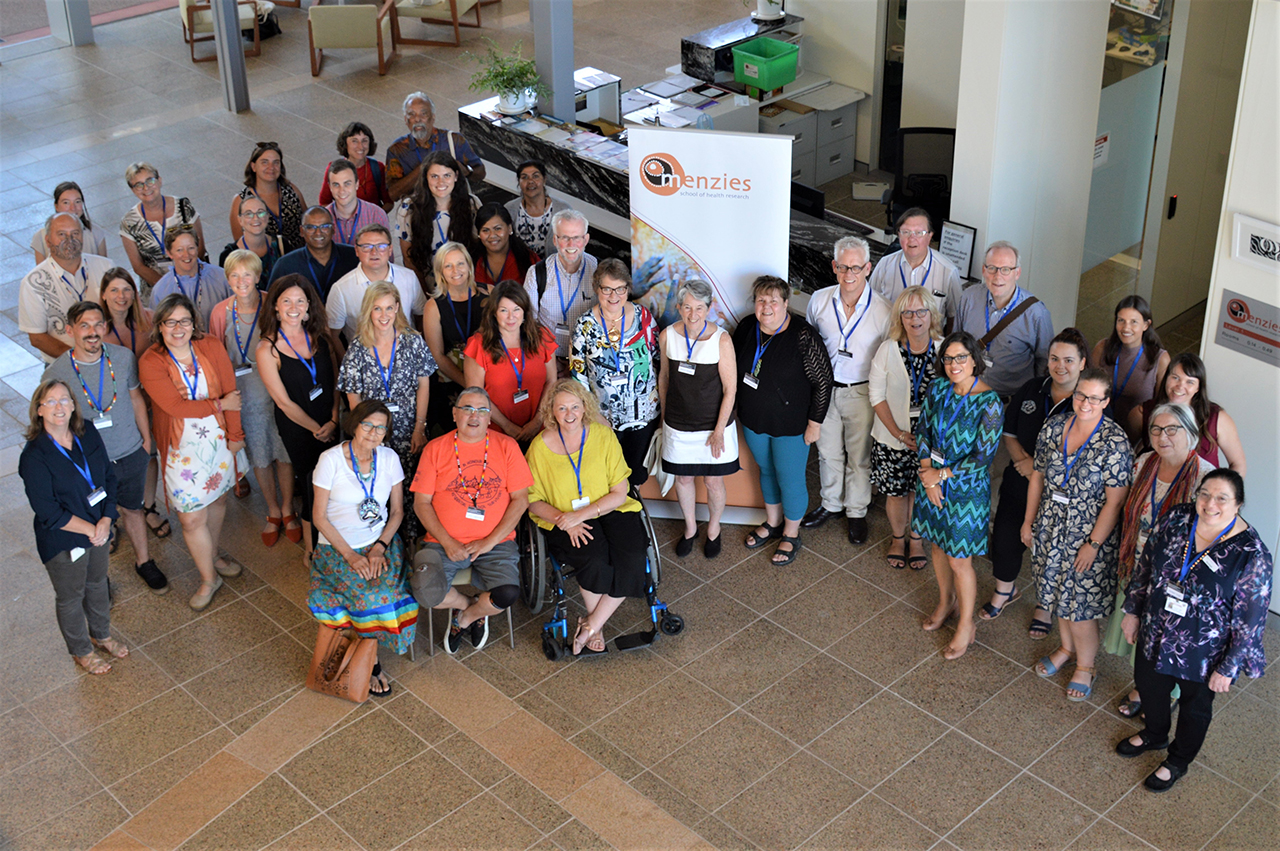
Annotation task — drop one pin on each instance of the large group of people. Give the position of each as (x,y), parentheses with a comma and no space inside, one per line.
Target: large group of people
(401,418)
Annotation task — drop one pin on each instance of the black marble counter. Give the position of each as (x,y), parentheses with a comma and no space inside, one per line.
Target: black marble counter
(703,54)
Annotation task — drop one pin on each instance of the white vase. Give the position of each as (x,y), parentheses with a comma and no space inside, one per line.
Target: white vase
(768,10)
(510,103)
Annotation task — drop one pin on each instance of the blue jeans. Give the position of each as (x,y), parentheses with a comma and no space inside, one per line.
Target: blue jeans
(782,463)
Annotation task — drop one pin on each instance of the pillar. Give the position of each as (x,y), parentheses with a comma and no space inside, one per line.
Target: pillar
(69,21)
(230,46)
(553,52)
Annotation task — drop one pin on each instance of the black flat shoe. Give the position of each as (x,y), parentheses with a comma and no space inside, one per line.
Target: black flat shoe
(1155,784)
(1128,749)
(685,545)
(711,548)
(816,518)
(857,530)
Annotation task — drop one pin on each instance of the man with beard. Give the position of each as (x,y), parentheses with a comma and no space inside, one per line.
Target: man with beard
(321,260)
(65,277)
(104,386)
(406,154)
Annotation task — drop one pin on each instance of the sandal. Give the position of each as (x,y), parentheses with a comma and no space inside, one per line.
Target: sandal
(1130,707)
(294,532)
(585,637)
(112,646)
(1079,692)
(93,664)
(241,490)
(162,529)
(270,537)
(755,541)
(1039,630)
(919,562)
(788,556)
(897,561)
(990,612)
(376,677)
(1045,668)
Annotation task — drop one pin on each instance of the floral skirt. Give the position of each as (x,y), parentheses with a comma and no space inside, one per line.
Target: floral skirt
(200,468)
(380,608)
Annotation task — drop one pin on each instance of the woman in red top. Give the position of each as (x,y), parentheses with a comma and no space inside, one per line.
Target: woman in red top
(513,358)
(505,257)
(356,143)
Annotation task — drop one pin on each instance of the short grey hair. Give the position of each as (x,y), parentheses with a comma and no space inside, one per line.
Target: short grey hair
(1005,244)
(568,215)
(422,96)
(851,243)
(475,390)
(48,223)
(697,288)
(1185,417)
(132,171)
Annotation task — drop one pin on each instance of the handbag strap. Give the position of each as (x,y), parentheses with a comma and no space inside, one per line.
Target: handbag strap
(1008,320)
(352,646)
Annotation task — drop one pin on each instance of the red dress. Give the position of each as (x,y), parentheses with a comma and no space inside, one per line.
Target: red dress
(501,382)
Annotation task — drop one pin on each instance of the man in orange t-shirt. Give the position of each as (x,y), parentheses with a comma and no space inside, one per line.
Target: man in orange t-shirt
(470,491)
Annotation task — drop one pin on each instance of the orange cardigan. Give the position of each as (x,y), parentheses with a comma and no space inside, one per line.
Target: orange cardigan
(169,405)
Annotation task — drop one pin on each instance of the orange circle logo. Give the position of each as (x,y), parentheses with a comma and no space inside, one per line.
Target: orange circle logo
(661,174)
(1238,310)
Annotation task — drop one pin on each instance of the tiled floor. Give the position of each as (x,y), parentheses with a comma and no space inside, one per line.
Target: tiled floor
(799,707)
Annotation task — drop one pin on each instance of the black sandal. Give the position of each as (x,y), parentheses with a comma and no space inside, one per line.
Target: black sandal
(376,674)
(897,562)
(787,557)
(164,530)
(917,562)
(755,542)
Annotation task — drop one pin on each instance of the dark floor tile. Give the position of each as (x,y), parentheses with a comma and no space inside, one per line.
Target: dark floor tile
(810,793)
(723,837)
(710,617)
(589,689)
(723,761)
(143,735)
(760,585)
(1026,814)
(1085,766)
(80,826)
(663,718)
(360,753)
(870,825)
(318,833)
(876,740)
(550,713)
(535,807)
(22,739)
(812,698)
(826,612)
(425,722)
(951,689)
(751,661)
(1213,800)
(1025,719)
(576,836)
(266,671)
(87,702)
(144,786)
(606,753)
(484,816)
(1105,835)
(211,640)
(889,645)
(1243,742)
(478,763)
(1254,827)
(928,790)
(42,788)
(272,809)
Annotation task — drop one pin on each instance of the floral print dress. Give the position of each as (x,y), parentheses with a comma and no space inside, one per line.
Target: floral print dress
(200,467)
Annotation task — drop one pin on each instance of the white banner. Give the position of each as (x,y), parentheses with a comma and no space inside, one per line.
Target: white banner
(716,206)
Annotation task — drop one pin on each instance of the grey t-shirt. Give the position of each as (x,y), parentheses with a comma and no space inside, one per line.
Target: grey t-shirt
(122,438)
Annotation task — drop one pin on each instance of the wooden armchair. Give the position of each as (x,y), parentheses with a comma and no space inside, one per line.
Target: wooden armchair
(362,26)
(197,25)
(446,13)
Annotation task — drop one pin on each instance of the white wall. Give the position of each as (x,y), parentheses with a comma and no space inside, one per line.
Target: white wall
(1025,119)
(931,69)
(1245,387)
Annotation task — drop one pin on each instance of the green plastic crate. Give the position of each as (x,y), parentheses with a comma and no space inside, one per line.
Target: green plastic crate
(765,63)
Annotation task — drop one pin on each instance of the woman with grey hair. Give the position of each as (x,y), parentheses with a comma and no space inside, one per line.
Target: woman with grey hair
(697,386)
(1162,478)
(143,227)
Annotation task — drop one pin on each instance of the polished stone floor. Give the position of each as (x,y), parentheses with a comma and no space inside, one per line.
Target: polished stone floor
(800,707)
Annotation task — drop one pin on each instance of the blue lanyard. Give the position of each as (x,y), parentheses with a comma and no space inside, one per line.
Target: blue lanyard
(493,276)
(844,341)
(691,343)
(959,406)
(385,374)
(1115,374)
(1157,508)
(927,270)
(311,269)
(373,471)
(96,401)
(622,337)
(577,468)
(463,334)
(917,375)
(177,279)
(519,371)
(1069,463)
(337,222)
(84,276)
(85,471)
(564,310)
(243,348)
(440,231)
(1017,297)
(195,364)
(133,337)
(164,217)
(1189,558)
(755,362)
(309,363)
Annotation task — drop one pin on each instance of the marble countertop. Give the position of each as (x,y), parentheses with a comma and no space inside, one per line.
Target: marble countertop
(739,30)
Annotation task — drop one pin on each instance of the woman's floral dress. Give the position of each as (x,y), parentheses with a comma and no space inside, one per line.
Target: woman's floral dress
(200,465)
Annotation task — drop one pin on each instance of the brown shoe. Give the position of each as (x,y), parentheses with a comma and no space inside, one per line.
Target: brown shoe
(242,488)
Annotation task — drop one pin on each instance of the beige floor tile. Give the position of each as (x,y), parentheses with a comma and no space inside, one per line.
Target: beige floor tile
(606,753)
(1213,800)
(928,789)
(22,739)
(424,721)
(266,813)
(889,645)
(1254,827)
(709,618)
(591,688)
(461,697)
(663,718)
(289,729)
(724,760)
(952,689)
(1025,719)
(1105,835)
(759,585)
(872,824)
(812,698)
(538,754)
(210,640)
(188,806)
(119,841)
(320,832)
(826,612)
(246,681)
(626,819)
(79,827)
(810,793)
(539,810)
(751,661)
(1085,766)
(1243,742)
(876,740)
(39,790)
(150,782)
(242,723)
(665,796)
(276,606)
(549,712)
(360,753)
(482,766)
(483,820)
(576,835)
(143,735)
(721,836)
(1026,814)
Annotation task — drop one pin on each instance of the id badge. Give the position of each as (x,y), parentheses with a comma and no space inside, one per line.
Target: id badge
(1174,591)
(474,513)
(395,409)
(519,396)
(844,353)
(580,503)
(1213,565)
(77,553)
(562,334)
(315,392)
(687,367)
(1059,497)
(751,381)
(913,411)
(616,381)
(936,457)
(244,369)
(102,422)
(97,496)
(1177,607)
(988,361)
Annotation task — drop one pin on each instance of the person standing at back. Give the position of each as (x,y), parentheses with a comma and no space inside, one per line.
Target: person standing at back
(918,265)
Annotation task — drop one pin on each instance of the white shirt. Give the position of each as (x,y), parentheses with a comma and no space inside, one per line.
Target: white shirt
(347,294)
(851,341)
(333,473)
(565,299)
(893,274)
(48,291)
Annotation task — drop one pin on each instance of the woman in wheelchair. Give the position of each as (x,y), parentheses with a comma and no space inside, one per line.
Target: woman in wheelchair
(579,498)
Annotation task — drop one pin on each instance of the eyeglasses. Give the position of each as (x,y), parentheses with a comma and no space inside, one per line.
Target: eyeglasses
(612,290)
(947,360)
(373,246)
(261,214)
(572,240)
(920,312)
(1168,431)
(178,323)
(1002,271)
(57,403)
(469,410)
(148,183)
(317,227)
(842,269)
(1092,400)
(1216,499)
(368,426)
(910,233)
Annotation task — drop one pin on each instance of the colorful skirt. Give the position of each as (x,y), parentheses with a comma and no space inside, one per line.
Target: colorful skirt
(380,608)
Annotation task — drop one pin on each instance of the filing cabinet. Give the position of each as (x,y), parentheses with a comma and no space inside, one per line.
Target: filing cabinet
(836,113)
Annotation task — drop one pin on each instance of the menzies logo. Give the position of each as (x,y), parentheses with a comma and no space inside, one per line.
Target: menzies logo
(662,174)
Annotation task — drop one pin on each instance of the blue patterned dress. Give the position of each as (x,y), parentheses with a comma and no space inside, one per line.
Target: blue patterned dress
(967,444)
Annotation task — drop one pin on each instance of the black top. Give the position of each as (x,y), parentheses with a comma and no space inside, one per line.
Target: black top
(342,259)
(453,319)
(795,378)
(57,491)
(1028,409)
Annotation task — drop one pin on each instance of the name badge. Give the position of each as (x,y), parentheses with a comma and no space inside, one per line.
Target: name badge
(1059,497)
(687,367)
(580,503)
(1174,591)
(519,396)
(474,513)
(395,409)
(844,353)
(913,411)
(1176,607)
(751,381)
(1213,565)
(97,496)
(102,422)
(315,392)
(616,381)
(936,457)
(562,333)
(988,361)
(76,553)
(244,369)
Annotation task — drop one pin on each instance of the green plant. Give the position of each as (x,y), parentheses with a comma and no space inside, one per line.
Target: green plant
(505,73)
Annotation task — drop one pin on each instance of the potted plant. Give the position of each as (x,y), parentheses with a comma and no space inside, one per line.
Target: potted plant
(510,76)
(766,10)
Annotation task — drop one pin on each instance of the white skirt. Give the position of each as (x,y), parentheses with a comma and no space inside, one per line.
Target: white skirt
(686,453)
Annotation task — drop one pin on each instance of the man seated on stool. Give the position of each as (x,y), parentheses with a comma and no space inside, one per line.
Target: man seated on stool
(471,489)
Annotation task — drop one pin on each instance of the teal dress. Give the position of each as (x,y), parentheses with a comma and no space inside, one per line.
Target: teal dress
(965,431)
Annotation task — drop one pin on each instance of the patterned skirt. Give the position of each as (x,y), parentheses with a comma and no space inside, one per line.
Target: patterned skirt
(380,608)
(893,471)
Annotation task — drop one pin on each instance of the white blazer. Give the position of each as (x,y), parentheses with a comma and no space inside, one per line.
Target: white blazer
(890,382)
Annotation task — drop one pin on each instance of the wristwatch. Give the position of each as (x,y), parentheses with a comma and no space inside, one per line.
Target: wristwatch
(1094,544)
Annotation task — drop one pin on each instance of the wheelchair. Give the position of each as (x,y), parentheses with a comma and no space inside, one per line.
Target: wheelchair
(542,581)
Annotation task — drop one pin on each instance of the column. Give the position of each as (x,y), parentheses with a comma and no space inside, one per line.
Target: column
(69,21)
(231,68)
(553,52)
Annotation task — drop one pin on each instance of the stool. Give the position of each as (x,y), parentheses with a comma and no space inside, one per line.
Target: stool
(463,577)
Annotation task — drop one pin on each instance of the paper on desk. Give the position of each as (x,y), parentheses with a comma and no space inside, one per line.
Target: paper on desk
(663,88)
(684,81)
(531,126)
(554,135)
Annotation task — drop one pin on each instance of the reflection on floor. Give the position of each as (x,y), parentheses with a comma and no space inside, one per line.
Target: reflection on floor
(802,705)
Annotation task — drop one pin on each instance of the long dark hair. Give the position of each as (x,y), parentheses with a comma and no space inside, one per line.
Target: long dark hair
(530,330)
(315,324)
(133,319)
(494,210)
(66,186)
(1150,339)
(422,212)
(1192,367)
(1072,337)
(251,179)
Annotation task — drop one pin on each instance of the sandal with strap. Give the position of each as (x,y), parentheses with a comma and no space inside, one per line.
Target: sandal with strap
(293,533)
(755,541)
(918,562)
(896,561)
(270,537)
(788,556)
(584,638)
(1079,692)
(1045,668)
(990,612)
(163,530)
(93,664)
(1130,707)
(116,648)
(1039,630)
(376,677)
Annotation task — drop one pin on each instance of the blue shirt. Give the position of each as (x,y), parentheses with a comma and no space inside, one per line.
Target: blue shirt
(342,259)
(1021,351)
(213,288)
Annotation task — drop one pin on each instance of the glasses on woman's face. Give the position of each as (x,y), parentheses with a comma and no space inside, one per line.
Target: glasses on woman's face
(622,290)
(1219,499)
(251,214)
(185,322)
(147,183)
(1167,431)
(947,360)
(1092,400)
(373,427)
(64,402)
(919,313)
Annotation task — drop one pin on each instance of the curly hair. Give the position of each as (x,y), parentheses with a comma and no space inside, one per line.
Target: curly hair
(356,128)
(422,211)
(575,388)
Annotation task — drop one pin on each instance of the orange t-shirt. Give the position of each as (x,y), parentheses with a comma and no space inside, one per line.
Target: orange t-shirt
(490,483)
(500,376)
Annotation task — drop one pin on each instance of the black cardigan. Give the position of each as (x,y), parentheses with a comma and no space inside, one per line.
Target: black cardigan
(56,490)
(795,378)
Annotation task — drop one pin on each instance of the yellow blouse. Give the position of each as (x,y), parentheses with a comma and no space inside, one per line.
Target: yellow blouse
(602,467)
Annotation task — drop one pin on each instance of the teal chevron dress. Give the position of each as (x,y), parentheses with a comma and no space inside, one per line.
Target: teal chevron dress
(965,430)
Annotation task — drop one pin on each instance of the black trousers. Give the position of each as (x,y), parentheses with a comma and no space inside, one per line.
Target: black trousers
(1006,533)
(635,445)
(1195,710)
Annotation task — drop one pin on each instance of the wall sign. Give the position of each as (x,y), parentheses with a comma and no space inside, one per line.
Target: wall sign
(1101,148)
(1249,326)
(1256,242)
(956,244)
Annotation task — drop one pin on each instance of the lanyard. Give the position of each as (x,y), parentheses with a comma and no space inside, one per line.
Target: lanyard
(493,276)
(1189,558)
(519,371)
(917,375)
(87,474)
(84,276)
(337,221)
(133,337)
(1068,464)
(622,337)
(311,269)
(755,363)
(385,374)
(440,231)
(484,468)
(1017,297)
(691,343)
(844,339)
(195,364)
(564,310)
(164,217)
(577,468)
(177,279)
(243,348)
(1115,374)
(104,364)
(373,471)
(271,247)
(309,363)
(927,270)
(1157,508)
(462,334)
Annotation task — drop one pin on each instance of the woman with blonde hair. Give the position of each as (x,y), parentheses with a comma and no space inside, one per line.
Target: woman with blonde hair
(451,316)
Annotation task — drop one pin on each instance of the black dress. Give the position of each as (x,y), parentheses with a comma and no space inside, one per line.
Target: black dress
(304,449)
(458,321)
